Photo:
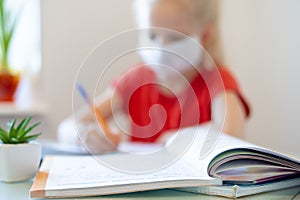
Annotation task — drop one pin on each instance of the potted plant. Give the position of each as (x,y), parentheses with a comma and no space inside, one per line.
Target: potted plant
(19,154)
(9,80)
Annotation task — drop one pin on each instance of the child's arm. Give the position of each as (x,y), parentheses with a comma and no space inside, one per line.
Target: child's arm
(89,130)
(227,109)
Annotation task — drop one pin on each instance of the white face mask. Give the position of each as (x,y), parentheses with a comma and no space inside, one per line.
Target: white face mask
(171,59)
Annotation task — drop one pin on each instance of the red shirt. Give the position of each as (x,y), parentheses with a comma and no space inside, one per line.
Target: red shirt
(152,112)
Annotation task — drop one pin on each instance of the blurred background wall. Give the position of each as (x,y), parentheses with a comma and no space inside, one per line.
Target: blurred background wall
(261,43)
(262,46)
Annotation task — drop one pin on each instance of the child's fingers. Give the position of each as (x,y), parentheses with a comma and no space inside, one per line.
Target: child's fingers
(96,141)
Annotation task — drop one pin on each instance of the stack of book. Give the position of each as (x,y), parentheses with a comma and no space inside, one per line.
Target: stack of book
(230,167)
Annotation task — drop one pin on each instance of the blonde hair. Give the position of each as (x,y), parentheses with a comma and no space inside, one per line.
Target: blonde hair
(203,11)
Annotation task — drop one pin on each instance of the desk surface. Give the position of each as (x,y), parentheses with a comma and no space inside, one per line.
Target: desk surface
(20,191)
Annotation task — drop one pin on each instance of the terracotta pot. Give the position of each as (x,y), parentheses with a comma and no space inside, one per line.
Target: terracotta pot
(8,86)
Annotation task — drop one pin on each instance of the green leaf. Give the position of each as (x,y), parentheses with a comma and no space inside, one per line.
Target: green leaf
(4,136)
(11,127)
(24,133)
(12,124)
(22,126)
(1,129)
(29,138)
(14,140)
(3,139)
(9,35)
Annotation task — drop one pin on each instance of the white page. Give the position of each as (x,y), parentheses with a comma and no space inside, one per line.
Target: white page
(78,172)
(75,172)
(208,143)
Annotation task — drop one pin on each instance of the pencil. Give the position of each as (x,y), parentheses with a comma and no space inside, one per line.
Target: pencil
(115,139)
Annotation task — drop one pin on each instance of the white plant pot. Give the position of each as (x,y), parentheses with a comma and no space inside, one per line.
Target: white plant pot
(19,162)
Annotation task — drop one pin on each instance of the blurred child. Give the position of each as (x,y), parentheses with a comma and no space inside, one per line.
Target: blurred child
(186,93)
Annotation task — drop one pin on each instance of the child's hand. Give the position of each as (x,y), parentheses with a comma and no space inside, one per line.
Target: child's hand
(167,137)
(95,141)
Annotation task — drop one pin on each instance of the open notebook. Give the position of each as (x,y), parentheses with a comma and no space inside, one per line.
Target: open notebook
(213,164)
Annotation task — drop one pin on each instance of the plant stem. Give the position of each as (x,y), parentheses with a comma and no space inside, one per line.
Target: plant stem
(5,34)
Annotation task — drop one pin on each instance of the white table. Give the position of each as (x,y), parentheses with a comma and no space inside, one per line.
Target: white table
(20,191)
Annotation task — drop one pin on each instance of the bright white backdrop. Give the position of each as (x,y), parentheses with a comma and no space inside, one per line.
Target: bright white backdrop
(261,41)
(25,49)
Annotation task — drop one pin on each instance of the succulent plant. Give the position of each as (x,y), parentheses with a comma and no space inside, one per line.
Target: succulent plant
(17,134)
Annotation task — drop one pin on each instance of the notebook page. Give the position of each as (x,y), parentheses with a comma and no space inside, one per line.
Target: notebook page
(85,171)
